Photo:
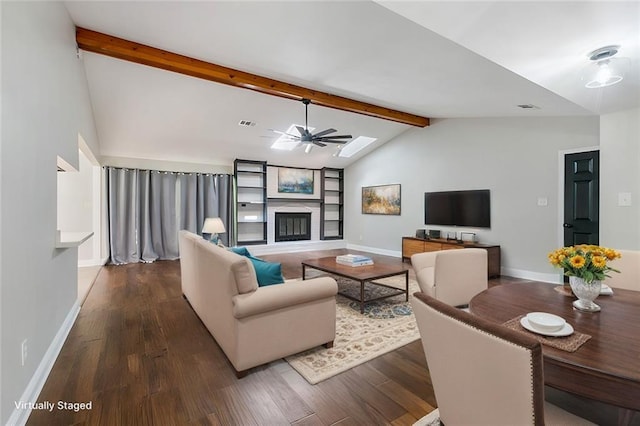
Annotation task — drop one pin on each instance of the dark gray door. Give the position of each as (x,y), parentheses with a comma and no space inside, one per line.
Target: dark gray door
(581,198)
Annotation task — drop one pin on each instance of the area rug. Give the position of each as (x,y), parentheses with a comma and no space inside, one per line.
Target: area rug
(386,325)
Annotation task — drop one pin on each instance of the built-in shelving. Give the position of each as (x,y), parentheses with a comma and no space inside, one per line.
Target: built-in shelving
(332,206)
(295,200)
(251,202)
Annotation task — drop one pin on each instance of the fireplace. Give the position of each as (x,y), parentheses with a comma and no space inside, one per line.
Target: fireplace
(292,226)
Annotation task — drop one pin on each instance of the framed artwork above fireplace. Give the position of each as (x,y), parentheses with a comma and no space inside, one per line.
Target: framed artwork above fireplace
(295,181)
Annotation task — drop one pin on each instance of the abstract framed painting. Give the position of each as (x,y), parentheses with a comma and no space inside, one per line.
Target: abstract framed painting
(295,181)
(381,199)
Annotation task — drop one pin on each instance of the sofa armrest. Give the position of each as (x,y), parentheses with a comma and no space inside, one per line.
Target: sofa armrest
(290,293)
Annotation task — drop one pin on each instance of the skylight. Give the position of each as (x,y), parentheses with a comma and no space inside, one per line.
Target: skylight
(356,145)
(285,142)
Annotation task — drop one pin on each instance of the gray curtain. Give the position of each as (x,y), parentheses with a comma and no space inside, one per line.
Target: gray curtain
(147,208)
(203,196)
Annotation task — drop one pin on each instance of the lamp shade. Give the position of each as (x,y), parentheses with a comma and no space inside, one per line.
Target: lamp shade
(213,225)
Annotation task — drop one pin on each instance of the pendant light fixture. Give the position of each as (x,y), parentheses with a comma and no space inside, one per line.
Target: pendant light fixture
(603,69)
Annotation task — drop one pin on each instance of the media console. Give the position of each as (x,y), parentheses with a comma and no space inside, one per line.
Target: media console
(412,245)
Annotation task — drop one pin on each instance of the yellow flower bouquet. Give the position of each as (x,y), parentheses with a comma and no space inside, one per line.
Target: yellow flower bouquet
(588,262)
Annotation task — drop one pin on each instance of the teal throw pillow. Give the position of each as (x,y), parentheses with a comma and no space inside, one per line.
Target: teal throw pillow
(268,273)
(242,251)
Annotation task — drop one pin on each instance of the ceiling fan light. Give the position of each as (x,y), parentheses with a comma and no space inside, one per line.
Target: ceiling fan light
(307,149)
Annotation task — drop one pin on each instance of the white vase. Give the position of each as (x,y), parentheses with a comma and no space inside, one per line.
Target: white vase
(586,293)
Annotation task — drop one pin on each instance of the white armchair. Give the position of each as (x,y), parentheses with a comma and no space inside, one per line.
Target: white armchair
(629,267)
(452,276)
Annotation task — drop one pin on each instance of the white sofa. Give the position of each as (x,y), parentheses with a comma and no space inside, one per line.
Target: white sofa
(254,325)
(629,267)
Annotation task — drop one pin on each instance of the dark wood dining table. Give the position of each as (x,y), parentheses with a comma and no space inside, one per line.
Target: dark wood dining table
(607,367)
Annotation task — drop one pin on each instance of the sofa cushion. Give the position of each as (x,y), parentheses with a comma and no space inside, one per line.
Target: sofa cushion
(268,273)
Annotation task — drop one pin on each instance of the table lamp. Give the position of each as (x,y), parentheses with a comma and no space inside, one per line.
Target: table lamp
(213,226)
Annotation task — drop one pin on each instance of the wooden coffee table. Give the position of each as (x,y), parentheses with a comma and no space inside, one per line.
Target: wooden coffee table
(363,274)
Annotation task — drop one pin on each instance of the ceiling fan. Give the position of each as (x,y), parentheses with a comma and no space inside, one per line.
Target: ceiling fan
(307,138)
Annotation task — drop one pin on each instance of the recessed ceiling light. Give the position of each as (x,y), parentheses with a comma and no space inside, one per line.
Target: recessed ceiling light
(355,146)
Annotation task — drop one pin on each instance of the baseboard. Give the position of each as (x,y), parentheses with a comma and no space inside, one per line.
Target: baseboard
(376,250)
(530,275)
(33,389)
(296,246)
(91,262)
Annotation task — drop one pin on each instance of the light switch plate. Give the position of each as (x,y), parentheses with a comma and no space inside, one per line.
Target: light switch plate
(542,201)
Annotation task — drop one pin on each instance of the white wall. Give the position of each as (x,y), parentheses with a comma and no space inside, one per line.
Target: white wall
(620,158)
(169,166)
(45,104)
(515,158)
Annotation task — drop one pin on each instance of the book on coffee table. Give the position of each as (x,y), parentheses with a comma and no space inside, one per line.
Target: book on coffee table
(354,260)
(354,264)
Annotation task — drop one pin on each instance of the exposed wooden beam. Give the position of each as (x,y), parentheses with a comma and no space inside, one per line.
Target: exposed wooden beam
(105,44)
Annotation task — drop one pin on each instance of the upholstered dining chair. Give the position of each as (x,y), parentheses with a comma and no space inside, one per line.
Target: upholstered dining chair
(629,267)
(452,276)
(483,373)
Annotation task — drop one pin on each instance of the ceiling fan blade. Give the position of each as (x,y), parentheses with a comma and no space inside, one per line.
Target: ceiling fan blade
(331,138)
(301,130)
(335,137)
(332,141)
(319,143)
(284,133)
(324,132)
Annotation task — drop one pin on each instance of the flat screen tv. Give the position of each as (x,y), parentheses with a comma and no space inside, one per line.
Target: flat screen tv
(458,208)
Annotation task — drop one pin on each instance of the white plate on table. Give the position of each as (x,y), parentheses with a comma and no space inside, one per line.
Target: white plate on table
(567,330)
(605,290)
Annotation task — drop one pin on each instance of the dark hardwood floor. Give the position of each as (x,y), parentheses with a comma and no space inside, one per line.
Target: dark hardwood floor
(141,356)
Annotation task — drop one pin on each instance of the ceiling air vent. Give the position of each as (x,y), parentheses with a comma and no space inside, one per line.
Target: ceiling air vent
(246,123)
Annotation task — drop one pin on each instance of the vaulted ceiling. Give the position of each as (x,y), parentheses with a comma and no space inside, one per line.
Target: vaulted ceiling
(432,59)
